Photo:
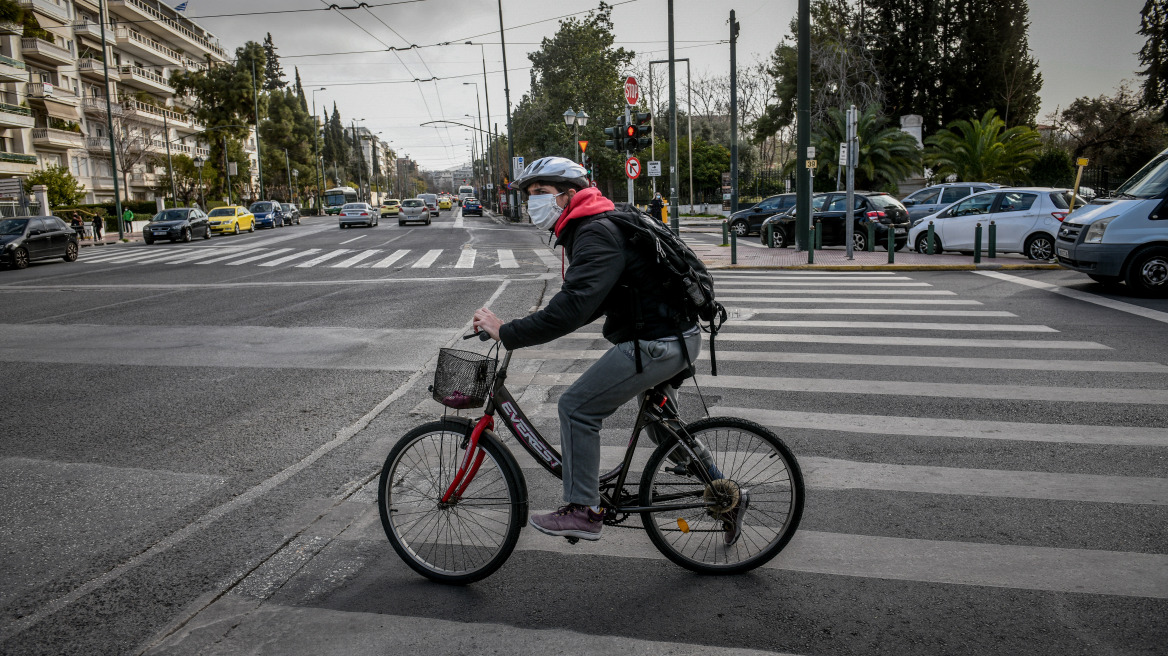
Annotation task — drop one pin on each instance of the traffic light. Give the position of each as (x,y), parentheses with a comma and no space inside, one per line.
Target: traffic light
(644,134)
(616,135)
(587,166)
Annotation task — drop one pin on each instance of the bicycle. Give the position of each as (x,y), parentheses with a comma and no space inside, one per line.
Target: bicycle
(453,498)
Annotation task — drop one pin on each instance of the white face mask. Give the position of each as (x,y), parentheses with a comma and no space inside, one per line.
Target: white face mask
(543,210)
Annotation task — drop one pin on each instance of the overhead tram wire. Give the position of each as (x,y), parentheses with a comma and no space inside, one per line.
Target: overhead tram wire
(332,7)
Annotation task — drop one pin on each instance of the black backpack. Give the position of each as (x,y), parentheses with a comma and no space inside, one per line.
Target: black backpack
(688,281)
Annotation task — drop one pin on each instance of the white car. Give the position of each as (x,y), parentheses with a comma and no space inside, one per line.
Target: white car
(413,209)
(1026,221)
(357,214)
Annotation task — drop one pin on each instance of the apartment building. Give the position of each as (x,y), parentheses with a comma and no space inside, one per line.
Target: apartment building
(53,107)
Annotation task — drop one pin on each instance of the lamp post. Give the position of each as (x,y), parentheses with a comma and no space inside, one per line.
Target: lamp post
(296,185)
(576,121)
(199,161)
(102,17)
(316,147)
(360,155)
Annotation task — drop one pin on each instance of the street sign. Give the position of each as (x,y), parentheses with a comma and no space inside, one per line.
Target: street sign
(583,145)
(490,185)
(233,168)
(811,152)
(843,160)
(655,168)
(517,164)
(811,164)
(632,91)
(633,168)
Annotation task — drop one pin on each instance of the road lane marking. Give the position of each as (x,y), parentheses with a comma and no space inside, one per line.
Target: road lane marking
(960,342)
(353,239)
(507,259)
(427,260)
(866,360)
(289,258)
(898,325)
(856,292)
(261,256)
(319,259)
(118,255)
(799,273)
(344,264)
(832,283)
(548,258)
(884,312)
(467,259)
(852,301)
(1147,313)
(246,251)
(388,262)
(458,221)
(190,255)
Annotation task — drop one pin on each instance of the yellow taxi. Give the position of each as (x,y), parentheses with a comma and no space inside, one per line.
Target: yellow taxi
(444,203)
(232,219)
(390,207)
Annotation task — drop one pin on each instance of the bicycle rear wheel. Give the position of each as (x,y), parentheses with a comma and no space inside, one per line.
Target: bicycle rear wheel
(459,542)
(756,465)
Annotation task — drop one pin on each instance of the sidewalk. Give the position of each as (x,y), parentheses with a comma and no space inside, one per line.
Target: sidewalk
(111,238)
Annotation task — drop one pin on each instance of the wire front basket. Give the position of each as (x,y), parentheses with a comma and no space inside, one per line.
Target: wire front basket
(463,378)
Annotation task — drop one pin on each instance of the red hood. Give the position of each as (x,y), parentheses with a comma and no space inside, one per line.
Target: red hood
(586,202)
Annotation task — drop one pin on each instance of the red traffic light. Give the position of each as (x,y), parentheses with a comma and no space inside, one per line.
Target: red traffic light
(631,131)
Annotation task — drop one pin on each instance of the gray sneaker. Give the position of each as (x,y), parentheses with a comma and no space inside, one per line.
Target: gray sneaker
(570,521)
(732,523)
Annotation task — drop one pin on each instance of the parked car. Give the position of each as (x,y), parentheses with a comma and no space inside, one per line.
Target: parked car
(1123,239)
(413,209)
(472,206)
(877,208)
(431,201)
(357,214)
(291,213)
(781,238)
(749,221)
(931,200)
(231,219)
(268,214)
(390,207)
(177,224)
(28,238)
(1026,221)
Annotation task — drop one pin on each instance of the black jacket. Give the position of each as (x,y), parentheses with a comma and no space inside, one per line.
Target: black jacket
(606,277)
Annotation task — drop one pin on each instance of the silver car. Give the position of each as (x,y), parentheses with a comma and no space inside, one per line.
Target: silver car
(413,209)
(357,214)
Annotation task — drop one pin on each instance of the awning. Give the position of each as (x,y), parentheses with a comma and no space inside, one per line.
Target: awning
(60,110)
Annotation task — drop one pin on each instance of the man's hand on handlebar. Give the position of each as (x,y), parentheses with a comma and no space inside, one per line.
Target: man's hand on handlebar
(486,321)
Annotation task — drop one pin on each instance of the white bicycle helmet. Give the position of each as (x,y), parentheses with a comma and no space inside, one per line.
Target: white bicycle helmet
(551,169)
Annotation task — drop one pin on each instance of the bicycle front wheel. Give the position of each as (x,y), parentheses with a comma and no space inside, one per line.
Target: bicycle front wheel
(760,485)
(460,541)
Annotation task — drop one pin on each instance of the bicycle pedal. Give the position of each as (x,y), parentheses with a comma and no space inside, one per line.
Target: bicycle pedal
(678,470)
(571,539)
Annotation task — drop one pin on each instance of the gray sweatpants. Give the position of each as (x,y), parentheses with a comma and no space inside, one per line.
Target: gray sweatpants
(606,386)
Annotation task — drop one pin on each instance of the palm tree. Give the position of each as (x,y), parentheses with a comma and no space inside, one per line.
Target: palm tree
(983,150)
(887,154)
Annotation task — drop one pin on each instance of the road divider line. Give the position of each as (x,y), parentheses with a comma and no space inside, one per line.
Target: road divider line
(352,240)
(427,260)
(261,256)
(344,264)
(466,259)
(324,257)
(389,261)
(507,259)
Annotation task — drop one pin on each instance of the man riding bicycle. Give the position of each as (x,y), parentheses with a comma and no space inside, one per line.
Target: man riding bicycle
(607,277)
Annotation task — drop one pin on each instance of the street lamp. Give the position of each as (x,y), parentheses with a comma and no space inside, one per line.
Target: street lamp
(577,121)
(199,161)
(316,146)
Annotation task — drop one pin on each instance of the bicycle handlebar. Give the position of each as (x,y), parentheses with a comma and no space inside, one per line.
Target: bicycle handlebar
(482,335)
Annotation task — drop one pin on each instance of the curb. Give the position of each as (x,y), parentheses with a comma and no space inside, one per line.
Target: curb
(889,267)
(110,243)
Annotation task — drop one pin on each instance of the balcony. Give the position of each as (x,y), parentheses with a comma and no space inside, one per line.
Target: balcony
(97,143)
(143,79)
(17,164)
(11,27)
(146,48)
(164,25)
(12,116)
(202,151)
(95,70)
(58,139)
(96,106)
(93,31)
(12,70)
(148,111)
(53,55)
(56,10)
(43,91)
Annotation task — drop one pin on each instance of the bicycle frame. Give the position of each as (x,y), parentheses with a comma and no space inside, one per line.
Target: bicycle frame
(655,409)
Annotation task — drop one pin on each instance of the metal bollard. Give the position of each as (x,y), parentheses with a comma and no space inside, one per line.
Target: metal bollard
(819,234)
(977,243)
(733,248)
(811,251)
(929,239)
(725,233)
(770,235)
(993,249)
(891,245)
(871,237)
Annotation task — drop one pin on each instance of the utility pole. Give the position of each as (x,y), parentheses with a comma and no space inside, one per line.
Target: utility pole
(675,223)
(852,159)
(733,113)
(803,125)
(512,206)
(227,171)
(288,166)
(169,162)
(259,159)
(109,120)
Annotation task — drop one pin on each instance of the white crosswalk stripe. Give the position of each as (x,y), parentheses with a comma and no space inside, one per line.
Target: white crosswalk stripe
(344,264)
(466,259)
(549,258)
(246,251)
(325,257)
(463,258)
(507,259)
(389,261)
(427,260)
(260,256)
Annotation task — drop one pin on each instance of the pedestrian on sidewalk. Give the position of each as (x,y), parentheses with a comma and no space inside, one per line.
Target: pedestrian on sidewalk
(97,221)
(78,226)
(128,219)
(656,206)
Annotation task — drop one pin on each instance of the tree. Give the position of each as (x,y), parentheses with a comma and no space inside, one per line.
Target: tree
(300,91)
(887,154)
(1053,168)
(273,74)
(63,189)
(1118,131)
(983,150)
(1154,55)
(186,179)
(578,67)
(286,135)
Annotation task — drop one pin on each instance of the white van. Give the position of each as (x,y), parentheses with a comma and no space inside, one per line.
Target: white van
(1123,238)
(431,202)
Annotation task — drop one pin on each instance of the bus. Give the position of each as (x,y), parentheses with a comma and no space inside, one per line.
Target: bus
(464,192)
(338,196)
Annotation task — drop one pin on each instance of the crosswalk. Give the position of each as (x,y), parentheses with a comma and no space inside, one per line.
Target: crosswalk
(337,258)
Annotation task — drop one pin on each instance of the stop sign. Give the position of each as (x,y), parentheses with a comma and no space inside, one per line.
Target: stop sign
(632,91)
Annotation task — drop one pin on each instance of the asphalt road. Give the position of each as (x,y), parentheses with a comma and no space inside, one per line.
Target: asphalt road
(192,432)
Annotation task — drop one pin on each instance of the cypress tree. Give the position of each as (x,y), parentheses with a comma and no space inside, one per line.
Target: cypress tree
(300,90)
(1154,55)
(273,74)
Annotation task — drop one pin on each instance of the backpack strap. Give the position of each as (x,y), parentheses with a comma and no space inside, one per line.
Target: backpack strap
(638,325)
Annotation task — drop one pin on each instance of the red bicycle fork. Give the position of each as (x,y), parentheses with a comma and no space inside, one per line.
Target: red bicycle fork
(471,460)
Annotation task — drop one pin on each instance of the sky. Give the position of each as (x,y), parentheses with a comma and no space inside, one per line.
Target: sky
(1084,48)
